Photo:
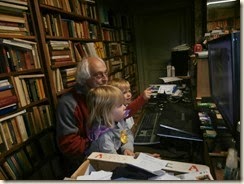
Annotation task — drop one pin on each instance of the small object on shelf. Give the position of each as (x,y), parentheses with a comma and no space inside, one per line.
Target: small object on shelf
(210,133)
(231,167)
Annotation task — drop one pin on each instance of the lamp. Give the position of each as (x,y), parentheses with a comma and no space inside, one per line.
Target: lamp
(218,2)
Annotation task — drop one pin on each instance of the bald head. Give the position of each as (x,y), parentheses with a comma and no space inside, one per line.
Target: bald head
(95,64)
(91,72)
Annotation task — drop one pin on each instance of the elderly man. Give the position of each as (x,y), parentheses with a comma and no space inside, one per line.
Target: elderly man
(72,113)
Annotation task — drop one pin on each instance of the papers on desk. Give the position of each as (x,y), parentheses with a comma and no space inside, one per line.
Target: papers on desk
(167,89)
(163,88)
(170,79)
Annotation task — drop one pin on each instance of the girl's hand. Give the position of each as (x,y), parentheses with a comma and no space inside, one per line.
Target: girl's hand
(129,152)
(147,93)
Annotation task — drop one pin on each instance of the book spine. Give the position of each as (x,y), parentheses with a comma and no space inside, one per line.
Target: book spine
(3,175)
(9,171)
(23,161)
(13,167)
(22,128)
(3,140)
(11,132)
(27,125)
(16,130)
(3,88)
(20,91)
(6,93)
(8,110)
(8,100)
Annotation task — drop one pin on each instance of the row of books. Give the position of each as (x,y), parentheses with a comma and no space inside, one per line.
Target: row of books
(118,74)
(18,127)
(56,26)
(109,34)
(19,91)
(64,78)
(14,18)
(18,55)
(88,9)
(99,47)
(68,76)
(29,88)
(127,59)
(126,35)
(112,49)
(129,71)
(8,99)
(21,163)
(114,64)
(66,52)
(227,24)
(126,48)
(60,52)
(111,18)
(84,8)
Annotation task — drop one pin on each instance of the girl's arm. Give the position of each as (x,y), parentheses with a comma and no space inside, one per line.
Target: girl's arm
(106,144)
(136,105)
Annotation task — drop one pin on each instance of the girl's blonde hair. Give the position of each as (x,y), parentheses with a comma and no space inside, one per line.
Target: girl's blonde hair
(100,102)
(122,84)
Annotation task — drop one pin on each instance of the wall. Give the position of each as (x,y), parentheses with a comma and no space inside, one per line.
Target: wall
(160,26)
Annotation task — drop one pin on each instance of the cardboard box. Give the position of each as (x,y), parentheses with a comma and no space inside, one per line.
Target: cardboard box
(108,162)
(101,161)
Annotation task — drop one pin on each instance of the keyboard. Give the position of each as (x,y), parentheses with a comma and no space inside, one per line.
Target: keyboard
(146,133)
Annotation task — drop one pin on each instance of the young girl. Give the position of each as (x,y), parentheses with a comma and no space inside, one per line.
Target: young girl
(107,129)
(124,86)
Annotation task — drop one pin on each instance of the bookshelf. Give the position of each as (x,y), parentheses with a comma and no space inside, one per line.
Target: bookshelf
(26,116)
(68,32)
(117,36)
(41,43)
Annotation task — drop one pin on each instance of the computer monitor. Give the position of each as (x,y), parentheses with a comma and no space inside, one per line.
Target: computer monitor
(224,70)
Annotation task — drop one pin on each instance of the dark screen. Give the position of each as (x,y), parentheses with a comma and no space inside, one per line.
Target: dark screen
(224,66)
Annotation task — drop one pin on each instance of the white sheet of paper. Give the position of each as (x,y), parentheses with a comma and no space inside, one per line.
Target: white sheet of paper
(165,176)
(167,89)
(96,175)
(149,163)
(201,175)
(170,79)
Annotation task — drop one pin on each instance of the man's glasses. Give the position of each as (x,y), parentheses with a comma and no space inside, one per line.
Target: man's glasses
(100,75)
